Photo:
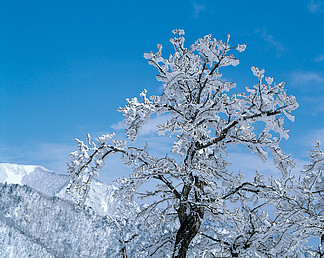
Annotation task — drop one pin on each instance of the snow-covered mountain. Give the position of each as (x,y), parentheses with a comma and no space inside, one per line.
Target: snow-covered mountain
(101,198)
(35,225)
(39,219)
(37,177)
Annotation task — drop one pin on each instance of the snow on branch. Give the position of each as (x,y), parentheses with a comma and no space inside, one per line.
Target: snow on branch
(197,207)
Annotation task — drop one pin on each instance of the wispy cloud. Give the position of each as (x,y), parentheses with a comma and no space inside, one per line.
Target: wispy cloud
(241,159)
(52,156)
(119,126)
(301,77)
(249,163)
(9,154)
(198,8)
(113,169)
(319,58)
(314,6)
(312,136)
(317,104)
(149,128)
(270,39)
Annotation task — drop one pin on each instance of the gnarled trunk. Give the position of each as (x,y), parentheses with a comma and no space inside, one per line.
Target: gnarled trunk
(189,228)
(190,217)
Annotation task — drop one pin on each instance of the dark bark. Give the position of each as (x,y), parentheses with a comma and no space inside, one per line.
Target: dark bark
(189,227)
(190,217)
(123,251)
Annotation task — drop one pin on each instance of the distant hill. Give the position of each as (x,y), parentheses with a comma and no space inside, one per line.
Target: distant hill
(101,198)
(37,177)
(39,219)
(35,225)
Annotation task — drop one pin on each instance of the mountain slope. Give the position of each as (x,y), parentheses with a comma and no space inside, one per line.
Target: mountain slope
(38,218)
(15,243)
(32,224)
(37,177)
(102,198)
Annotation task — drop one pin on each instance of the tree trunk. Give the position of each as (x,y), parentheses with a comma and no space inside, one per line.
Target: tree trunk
(190,217)
(123,251)
(189,227)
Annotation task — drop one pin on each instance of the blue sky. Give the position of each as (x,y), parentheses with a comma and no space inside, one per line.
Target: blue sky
(66,66)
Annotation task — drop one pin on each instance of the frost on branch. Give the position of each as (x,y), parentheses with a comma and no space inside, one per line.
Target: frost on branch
(241,48)
(202,114)
(301,204)
(88,160)
(312,183)
(197,206)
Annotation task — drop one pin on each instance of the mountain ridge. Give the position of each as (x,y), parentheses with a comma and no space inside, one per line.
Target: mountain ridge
(39,218)
(58,226)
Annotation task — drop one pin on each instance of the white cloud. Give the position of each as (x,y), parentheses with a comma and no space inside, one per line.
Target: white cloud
(149,128)
(319,58)
(248,163)
(312,136)
(278,46)
(240,158)
(10,154)
(306,77)
(317,104)
(158,146)
(113,169)
(52,156)
(198,8)
(314,6)
(119,126)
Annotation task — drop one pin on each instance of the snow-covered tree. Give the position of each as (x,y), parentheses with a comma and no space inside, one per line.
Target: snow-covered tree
(311,201)
(199,207)
(301,203)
